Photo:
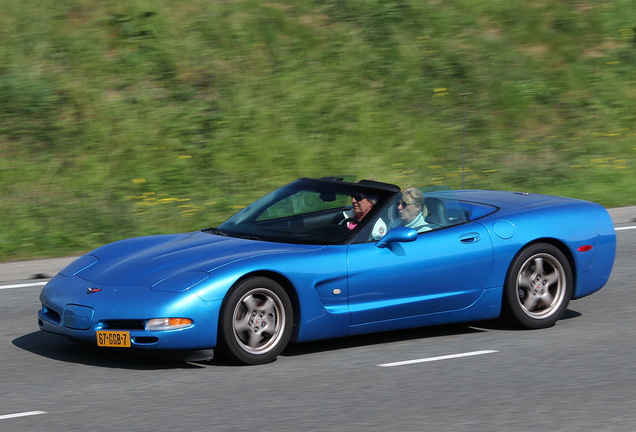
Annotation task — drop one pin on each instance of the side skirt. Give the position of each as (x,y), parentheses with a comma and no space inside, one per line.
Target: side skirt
(487,306)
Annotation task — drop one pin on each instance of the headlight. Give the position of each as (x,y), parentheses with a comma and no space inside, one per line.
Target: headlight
(168,323)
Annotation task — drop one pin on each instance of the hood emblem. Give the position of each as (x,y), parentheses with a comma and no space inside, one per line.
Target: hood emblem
(92,290)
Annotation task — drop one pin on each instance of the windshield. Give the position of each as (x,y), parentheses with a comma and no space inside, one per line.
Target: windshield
(308,211)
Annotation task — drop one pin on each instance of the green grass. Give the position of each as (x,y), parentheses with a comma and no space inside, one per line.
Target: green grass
(120,119)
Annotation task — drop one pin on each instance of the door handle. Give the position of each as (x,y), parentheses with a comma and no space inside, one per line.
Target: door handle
(470,238)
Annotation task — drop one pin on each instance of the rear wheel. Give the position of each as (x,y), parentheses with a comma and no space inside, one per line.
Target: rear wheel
(538,287)
(256,321)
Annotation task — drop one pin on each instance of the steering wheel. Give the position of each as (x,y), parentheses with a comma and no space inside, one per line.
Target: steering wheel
(344,222)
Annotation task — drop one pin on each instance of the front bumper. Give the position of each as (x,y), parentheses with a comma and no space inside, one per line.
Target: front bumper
(70,308)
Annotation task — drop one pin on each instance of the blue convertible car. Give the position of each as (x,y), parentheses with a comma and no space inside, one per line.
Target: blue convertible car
(325,258)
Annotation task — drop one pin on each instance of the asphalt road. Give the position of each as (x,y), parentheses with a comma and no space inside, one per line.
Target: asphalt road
(579,375)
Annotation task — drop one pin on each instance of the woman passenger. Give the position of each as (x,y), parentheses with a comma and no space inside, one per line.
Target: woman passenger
(412,211)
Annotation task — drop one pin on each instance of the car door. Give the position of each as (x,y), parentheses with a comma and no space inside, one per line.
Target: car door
(443,270)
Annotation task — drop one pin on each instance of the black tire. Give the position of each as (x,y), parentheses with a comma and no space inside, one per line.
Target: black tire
(256,321)
(538,287)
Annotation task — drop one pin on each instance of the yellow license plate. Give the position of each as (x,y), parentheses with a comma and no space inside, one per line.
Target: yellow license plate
(118,339)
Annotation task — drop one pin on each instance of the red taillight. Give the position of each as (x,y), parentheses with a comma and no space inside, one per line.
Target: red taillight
(585,248)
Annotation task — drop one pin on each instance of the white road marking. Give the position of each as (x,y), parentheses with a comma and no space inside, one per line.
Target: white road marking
(431,359)
(34,284)
(624,228)
(24,414)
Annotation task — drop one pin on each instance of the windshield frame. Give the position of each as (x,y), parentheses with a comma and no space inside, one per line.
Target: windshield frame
(245,223)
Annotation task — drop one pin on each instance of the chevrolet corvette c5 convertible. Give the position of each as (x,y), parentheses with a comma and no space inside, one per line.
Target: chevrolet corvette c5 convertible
(300,265)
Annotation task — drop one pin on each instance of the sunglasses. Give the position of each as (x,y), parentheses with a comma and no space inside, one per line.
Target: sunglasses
(404,204)
(358,197)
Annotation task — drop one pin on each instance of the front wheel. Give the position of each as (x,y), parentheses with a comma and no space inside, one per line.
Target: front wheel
(256,321)
(538,287)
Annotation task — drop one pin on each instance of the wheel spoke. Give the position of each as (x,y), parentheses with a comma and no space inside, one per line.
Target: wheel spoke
(538,267)
(552,278)
(269,307)
(531,303)
(250,304)
(254,339)
(242,324)
(525,281)
(547,299)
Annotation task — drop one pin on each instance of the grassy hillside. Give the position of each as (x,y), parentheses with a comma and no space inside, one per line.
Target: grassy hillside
(129,118)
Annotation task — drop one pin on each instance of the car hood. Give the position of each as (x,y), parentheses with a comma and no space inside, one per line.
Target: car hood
(144,261)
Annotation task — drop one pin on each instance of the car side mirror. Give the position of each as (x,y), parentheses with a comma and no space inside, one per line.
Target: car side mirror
(398,234)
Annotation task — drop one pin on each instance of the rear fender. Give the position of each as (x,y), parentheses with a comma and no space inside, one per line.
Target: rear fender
(568,227)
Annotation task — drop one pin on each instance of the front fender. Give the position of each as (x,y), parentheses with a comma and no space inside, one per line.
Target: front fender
(317,277)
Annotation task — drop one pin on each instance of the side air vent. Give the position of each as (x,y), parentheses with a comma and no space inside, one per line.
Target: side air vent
(145,340)
(51,315)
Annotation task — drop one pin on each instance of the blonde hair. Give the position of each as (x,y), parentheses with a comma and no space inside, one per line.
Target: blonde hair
(416,197)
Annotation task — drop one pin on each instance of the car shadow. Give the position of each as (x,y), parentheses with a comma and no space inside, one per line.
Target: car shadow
(569,314)
(298,349)
(502,325)
(62,349)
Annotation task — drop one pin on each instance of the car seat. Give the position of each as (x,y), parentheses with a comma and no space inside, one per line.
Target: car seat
(436,211)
